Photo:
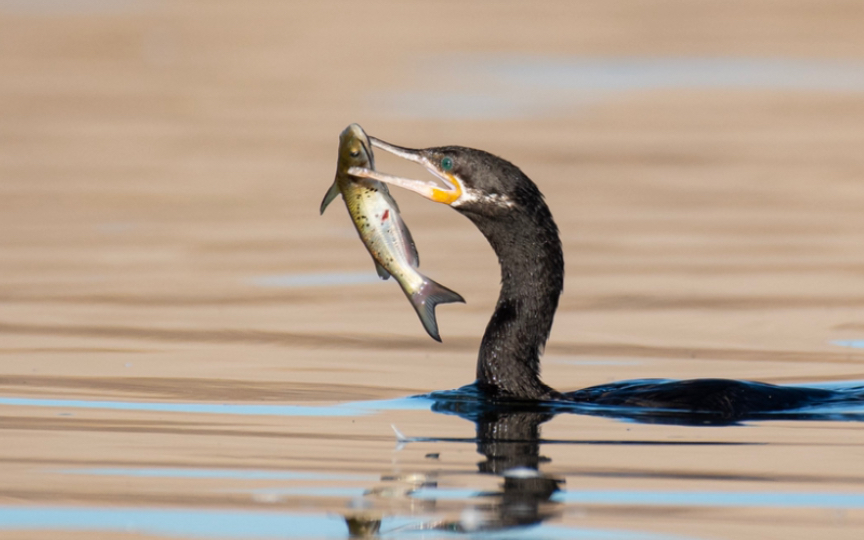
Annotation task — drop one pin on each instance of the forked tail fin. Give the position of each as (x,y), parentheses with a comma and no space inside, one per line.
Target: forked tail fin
(424,301)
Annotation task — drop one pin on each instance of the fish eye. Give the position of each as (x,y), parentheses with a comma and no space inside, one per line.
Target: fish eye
(446,163)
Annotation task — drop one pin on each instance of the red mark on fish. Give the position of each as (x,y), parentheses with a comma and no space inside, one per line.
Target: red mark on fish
(385,216)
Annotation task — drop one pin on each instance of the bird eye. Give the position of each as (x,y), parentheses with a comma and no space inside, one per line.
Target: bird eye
(355,153)
(446,163)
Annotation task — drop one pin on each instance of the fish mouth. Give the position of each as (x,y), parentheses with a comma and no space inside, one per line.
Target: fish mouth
(448,194)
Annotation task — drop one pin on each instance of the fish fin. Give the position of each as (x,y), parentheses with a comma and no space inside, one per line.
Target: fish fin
(382,272)
(424,301)
(411,254)
(331,194)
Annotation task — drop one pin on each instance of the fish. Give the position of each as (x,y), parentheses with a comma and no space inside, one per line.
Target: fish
(383,231)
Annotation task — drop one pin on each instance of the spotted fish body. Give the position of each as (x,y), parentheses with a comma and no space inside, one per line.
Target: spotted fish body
(382,230)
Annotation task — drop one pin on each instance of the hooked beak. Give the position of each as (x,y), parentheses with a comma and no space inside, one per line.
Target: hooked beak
(430,190)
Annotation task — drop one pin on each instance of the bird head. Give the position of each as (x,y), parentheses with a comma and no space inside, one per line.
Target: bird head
(469,180)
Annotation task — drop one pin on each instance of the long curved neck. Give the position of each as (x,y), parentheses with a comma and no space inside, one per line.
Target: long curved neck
(532,277)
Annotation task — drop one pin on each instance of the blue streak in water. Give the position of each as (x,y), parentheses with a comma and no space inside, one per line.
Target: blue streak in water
(187,523)
(854,343)
(358,408)
(203,408)
(194,523)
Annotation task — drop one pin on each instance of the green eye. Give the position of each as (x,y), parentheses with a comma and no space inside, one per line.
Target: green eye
(446,163)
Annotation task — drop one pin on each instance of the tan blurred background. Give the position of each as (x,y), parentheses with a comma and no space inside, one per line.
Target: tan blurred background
(162,164)
(156,159)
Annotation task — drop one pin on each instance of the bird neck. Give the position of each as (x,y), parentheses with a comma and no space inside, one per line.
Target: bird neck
(532,276)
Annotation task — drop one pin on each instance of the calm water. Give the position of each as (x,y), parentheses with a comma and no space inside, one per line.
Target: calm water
(515,490)
(188,350)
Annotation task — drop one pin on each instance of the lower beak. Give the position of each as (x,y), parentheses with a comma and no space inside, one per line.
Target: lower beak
(429,190)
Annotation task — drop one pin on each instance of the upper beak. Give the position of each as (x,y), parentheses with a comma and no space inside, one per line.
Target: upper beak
(430,190)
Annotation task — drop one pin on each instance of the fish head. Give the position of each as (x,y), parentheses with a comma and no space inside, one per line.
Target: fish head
(355,149)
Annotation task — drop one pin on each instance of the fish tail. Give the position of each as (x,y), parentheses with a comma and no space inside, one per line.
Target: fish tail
(426,298)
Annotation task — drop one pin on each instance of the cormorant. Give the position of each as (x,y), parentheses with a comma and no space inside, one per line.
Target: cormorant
(510,211)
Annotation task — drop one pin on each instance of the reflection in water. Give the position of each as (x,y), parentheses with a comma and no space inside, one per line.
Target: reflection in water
(406,504)
(509,441)
(363,525)
(508,437)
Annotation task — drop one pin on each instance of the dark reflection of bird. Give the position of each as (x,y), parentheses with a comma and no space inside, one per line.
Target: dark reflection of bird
(510,443)
(510,211)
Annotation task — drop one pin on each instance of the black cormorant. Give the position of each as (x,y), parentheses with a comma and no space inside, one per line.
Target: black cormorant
(510,211)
